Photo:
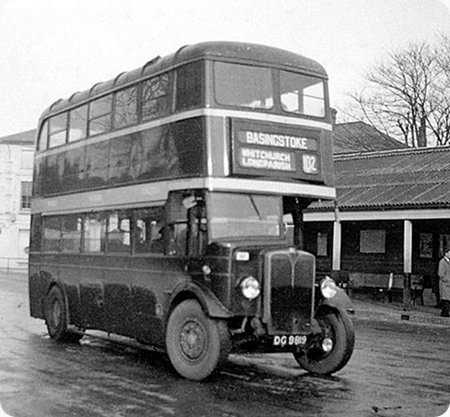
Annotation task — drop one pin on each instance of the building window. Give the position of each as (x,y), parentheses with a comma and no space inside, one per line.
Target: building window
(322,244)
(25,199)
(372,241)
(426,245)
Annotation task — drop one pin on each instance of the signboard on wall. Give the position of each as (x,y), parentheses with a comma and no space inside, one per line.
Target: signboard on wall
(271,150)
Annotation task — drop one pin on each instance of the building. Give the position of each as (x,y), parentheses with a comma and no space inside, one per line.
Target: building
(357,137)
(16,171)
(391,219)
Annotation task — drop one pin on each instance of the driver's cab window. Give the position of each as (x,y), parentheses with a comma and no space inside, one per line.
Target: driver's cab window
(187,222)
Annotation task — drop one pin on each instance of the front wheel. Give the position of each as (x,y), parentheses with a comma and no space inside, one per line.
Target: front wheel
(332,350)
(56,317)
(196,344)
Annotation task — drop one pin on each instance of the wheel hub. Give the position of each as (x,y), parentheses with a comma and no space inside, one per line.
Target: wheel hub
(192,340)
(56,314)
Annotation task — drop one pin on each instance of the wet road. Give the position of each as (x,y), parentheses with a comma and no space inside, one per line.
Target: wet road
(398,369)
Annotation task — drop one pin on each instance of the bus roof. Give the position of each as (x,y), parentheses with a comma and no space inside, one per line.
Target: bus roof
(223,51)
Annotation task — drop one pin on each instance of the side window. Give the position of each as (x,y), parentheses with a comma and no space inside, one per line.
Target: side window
(150,230)
(52,234)
(71,233)
(43,137)
(125,107)
(190,85)
(118,235)
(156,96)
(78,123)
(178,223)
(94,233)
(100,115)
(57,130)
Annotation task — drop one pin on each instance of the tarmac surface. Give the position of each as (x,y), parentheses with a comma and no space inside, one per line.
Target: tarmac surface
(283,364)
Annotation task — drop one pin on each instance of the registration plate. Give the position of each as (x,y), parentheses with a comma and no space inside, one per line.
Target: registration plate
(289,340)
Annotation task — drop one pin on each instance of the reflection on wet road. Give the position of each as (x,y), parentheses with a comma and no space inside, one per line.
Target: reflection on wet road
(396,370)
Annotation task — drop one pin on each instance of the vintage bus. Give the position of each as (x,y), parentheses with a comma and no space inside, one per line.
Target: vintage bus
(161,204)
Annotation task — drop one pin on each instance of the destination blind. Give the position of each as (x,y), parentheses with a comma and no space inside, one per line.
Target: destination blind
(264,150)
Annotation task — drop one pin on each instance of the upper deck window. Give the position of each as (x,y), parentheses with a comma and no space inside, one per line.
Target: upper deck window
(100,115)
(43,137)
(243,85)
(156,97)
(302,94)
(58,130)
(125,108)
(190,84)
(77,123)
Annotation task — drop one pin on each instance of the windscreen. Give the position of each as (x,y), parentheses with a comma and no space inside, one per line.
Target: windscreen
(244,215)
(243,85)
(302,94)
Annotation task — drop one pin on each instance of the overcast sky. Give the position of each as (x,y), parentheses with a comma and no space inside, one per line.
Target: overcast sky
(51,48)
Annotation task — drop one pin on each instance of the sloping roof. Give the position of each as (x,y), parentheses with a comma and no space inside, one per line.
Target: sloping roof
(400,179)
(361,137)
(22,138)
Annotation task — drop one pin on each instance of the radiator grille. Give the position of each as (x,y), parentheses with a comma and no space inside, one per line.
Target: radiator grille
(289,290)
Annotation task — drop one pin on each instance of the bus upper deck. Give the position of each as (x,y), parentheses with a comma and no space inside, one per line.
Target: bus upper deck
(216,115)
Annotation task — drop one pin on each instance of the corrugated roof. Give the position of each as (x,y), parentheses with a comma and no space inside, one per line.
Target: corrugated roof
(401,179)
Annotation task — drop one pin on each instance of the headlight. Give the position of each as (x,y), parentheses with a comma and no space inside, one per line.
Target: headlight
(250,288)
(328,287)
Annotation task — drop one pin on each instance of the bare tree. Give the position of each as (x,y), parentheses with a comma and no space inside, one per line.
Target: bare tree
(407,95)
(439,103)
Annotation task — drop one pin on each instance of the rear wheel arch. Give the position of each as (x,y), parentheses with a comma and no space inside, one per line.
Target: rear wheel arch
(57,315)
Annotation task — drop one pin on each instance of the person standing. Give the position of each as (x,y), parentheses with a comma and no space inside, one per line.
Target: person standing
(444,283)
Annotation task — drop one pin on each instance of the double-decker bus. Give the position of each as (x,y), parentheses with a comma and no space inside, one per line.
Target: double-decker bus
(161,204)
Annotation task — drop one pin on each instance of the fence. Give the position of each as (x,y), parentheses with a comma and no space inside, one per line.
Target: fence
(14,264)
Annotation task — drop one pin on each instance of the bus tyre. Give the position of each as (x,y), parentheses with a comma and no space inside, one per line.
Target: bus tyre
(196,344)
(56,317)
(338,336)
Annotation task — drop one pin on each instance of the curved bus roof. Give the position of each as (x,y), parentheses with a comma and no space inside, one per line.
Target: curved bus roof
(223,51)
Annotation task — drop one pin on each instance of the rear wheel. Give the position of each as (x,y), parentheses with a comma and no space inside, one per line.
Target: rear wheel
(56,317)
(196,344)
(332,350)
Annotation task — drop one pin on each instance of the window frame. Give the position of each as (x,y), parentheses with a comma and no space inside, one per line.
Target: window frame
(97,117)
(26,198)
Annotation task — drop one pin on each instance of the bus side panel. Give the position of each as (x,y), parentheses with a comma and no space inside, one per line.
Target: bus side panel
(119,311)
(92,291)
(69,275)
(43,272)
(35,288)
(152,286)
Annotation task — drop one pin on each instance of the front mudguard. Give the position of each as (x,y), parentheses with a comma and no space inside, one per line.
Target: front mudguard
(341,301)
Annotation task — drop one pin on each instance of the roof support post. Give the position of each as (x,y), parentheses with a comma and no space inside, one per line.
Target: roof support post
(337,235)
(407,263)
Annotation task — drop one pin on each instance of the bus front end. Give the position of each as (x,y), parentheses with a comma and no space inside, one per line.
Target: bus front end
(269,285)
